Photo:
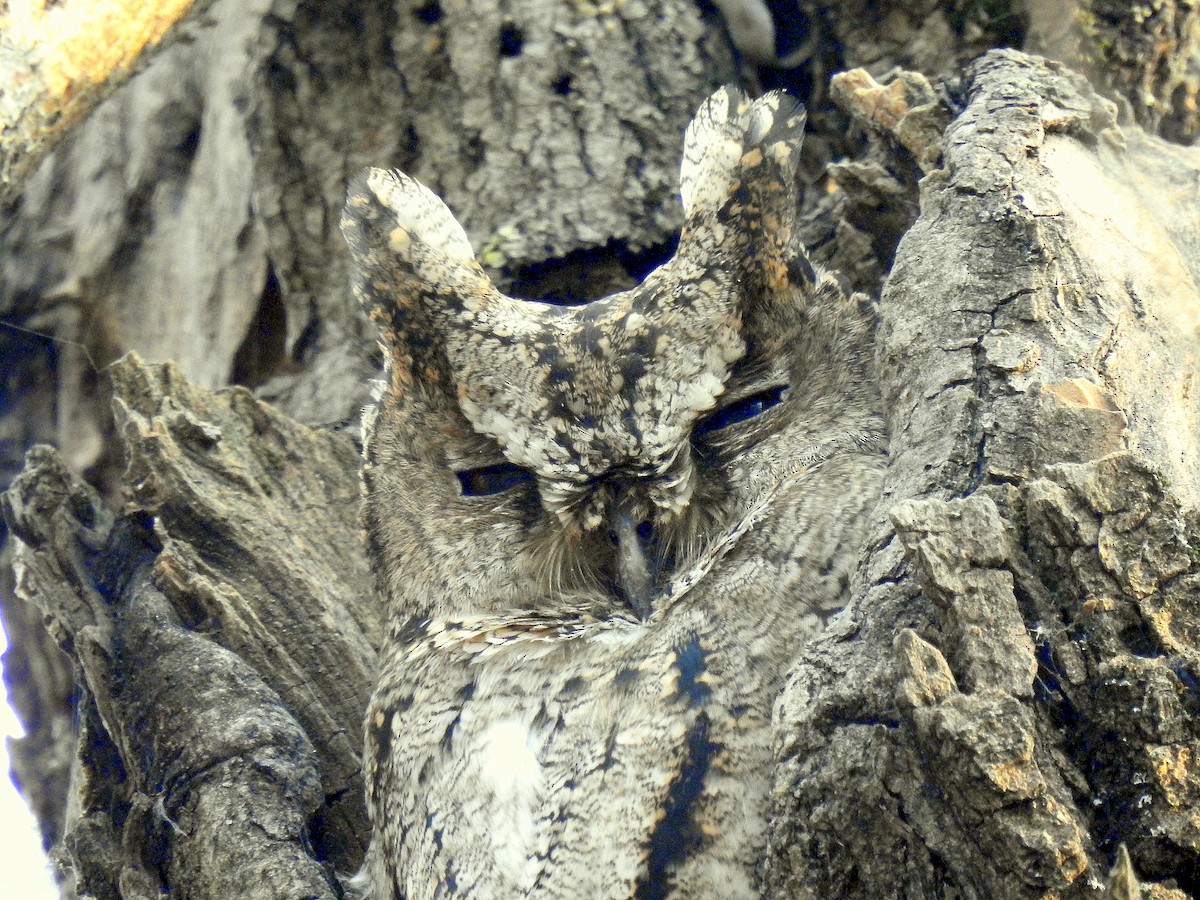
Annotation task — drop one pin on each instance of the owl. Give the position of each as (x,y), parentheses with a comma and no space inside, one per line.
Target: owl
(603,532)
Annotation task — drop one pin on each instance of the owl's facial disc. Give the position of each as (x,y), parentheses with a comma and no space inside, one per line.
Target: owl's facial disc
(617,384)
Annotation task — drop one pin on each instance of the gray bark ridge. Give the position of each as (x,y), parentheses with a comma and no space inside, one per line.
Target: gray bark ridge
(1010,699)
(223,631)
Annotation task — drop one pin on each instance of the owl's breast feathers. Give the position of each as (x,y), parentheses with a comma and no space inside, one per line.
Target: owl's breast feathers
(583,758)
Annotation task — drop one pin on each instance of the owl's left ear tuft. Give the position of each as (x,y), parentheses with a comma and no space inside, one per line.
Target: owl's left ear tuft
(410,215)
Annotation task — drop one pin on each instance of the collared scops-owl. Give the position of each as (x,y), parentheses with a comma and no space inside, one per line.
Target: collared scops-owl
(603,532)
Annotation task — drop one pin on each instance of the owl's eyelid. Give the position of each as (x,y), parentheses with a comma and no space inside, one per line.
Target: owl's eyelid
(740,409)
(498,478)
(739,390)
(473,452)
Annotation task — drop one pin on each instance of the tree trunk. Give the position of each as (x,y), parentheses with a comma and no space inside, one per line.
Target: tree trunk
(1008,705)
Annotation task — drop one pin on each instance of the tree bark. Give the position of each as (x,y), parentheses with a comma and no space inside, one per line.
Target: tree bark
(1007,707)
(1008,700)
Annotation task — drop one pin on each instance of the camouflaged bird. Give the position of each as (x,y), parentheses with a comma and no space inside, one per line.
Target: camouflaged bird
(604,531)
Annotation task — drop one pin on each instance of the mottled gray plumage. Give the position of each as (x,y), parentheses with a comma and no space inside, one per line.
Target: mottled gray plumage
(603,532)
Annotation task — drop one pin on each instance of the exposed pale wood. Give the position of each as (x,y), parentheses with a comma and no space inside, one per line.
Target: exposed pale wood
(58,61)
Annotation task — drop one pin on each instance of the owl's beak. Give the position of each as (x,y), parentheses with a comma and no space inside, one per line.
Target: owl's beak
(636,561)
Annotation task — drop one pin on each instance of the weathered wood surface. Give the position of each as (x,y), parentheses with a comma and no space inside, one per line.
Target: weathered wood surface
(59,61)
(1011,697)
(224,630)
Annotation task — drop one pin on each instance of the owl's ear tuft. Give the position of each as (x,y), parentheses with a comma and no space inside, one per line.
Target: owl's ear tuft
(731,135)
(740,196)
(410,216)
(413,270)
(411,259)
(419,214)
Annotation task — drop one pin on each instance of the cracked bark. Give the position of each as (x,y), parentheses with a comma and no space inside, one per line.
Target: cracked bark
(1029,714)
(1008,706)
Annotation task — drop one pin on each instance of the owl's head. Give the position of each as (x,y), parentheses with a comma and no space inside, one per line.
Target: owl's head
(527,455)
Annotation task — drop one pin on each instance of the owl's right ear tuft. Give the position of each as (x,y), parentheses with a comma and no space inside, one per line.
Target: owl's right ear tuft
(407,250)
(731,135)
(406,246)
(413,271)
